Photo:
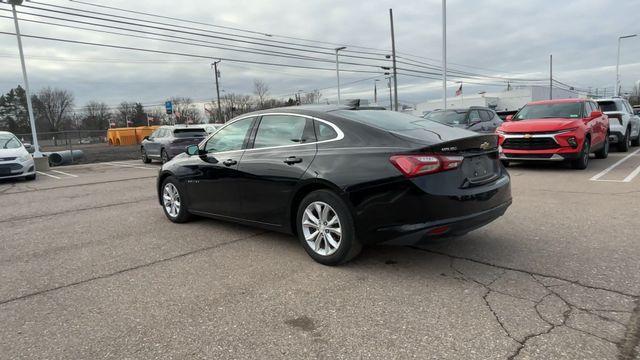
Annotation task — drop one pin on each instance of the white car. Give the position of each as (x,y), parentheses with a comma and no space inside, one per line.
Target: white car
(624,125)
(15,159)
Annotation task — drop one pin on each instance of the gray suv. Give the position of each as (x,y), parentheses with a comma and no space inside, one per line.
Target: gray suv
(476,118)
(169,141)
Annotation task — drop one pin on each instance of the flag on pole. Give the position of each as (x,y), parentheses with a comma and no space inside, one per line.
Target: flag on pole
(459,91)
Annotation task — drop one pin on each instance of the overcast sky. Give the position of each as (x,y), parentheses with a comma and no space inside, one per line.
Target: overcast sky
(492,37)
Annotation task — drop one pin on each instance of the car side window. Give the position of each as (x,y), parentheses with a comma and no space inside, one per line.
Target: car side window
(629,109)
(587,109)
(325,131)
(485,115)
(474,116)
(230,137)
(154,134)
(281,130)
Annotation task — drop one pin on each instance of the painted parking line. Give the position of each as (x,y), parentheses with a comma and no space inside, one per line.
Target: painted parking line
(604,172)
(64,173)
(49,175)
(117,164)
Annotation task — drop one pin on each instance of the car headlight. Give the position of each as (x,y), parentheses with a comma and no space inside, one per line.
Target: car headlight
(25,157)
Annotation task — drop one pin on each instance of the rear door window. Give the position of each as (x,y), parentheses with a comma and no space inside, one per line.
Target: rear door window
(486,115)
(189,132)
(283,130)
(474,116)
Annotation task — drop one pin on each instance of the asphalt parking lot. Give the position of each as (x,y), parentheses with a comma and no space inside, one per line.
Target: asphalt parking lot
(90,268)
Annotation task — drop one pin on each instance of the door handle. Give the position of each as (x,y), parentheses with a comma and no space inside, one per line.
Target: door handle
(229,162)
(293,160)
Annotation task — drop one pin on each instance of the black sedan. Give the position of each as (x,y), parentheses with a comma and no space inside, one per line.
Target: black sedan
(340,177)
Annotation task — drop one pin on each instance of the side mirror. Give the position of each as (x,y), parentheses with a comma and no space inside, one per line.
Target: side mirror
(29,147)
(145,138)
(596,113)
(508,118)
(193,150)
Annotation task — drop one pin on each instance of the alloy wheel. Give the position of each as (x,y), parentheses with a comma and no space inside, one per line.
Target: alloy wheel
(171,200)
(321,228)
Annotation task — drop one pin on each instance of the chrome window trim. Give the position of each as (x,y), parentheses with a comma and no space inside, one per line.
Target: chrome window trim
(339,137)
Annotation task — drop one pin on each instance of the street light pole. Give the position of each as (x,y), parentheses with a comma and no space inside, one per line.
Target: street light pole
(390,95)
(338,70)
(32,120)
(617,90)
(444,52)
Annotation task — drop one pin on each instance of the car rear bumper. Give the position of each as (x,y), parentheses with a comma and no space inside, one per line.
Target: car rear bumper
(416,234)
(400,214)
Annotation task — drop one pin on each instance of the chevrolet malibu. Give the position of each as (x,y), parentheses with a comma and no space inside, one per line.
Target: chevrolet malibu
(339,178)
(15,160)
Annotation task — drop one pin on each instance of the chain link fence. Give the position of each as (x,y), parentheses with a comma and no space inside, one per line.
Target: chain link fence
(93,143)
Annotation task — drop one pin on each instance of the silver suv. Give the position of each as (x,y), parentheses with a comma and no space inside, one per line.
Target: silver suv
(624,125)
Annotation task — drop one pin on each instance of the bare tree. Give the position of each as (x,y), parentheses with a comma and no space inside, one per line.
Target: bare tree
(261,90)
(185,111)
(96,116)
(312,97)
(125,113)
(235,104)
(53,107)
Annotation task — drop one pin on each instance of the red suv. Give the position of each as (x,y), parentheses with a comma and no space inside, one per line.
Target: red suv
(555,130)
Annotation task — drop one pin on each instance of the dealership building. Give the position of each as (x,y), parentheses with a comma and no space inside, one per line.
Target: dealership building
(508,100)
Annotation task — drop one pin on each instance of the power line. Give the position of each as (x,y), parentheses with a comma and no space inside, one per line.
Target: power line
(183,54)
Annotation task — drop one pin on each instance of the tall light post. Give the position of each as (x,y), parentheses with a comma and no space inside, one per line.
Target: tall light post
(444,52)
(216,75)
(32,121)
(617,90)
(338,69)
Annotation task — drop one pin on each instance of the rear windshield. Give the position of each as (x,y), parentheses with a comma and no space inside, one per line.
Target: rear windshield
(569,110)
(8,141)
(448,117)
(386,120)
(194,132)
(607,106)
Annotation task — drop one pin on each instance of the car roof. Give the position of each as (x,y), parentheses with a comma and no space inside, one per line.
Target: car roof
(557,101)
(609,99)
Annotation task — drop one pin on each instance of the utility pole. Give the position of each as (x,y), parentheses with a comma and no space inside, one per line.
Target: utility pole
(551,77)
(390,95)
(375,91)
(216,75)
(32,121)
(444,52)
(338,70)
(393,54)
(617,89)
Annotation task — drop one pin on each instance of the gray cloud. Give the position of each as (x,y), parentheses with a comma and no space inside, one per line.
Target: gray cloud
(507,37)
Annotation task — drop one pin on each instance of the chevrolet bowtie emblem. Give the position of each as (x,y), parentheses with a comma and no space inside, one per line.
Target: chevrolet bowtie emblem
(485,146)
(528,136)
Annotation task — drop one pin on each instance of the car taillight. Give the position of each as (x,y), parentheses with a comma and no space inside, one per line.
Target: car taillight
(416,165)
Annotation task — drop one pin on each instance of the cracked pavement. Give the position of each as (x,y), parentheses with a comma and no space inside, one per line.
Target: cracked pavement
(90,268)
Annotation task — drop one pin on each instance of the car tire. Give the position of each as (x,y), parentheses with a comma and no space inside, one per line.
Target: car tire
(324,213)
(582,161)
(174,201)
(604,152)
(625,142)
(145,158)
(164,156)
(30,177)
(636,141)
